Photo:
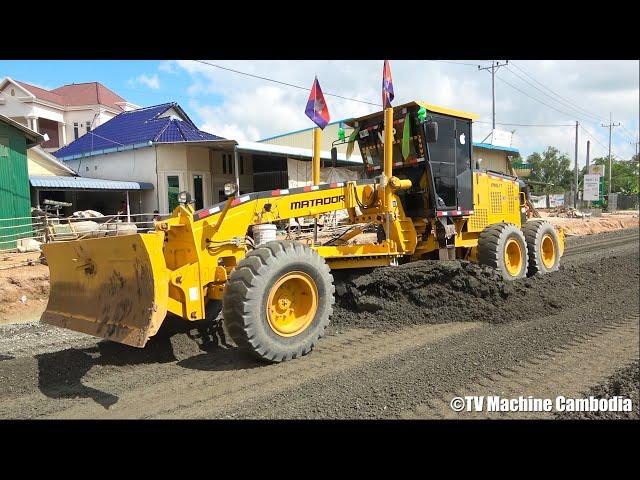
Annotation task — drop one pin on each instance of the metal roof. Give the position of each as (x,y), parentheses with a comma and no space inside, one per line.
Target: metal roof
(84,183)
(300,131)
(488,146)
(293,152)
(135,128)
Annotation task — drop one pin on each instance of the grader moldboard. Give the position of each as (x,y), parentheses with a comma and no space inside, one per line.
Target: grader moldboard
(423,195)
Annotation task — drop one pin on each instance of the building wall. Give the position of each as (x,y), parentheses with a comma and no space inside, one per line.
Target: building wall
(173,160)
(39,166)
(304,139)
(45,111)
(496,160)
(220,178)
(50,128)
(131,165)
(15,200)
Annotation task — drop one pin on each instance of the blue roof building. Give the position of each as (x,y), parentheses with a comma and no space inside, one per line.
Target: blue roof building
(166,123)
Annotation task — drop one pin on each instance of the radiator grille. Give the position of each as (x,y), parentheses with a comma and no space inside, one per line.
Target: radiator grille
(479,219)
(510,198)
(496,202)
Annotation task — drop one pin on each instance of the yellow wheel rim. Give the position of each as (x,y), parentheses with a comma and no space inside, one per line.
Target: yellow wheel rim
(292,304)
(547,251)
(513,257)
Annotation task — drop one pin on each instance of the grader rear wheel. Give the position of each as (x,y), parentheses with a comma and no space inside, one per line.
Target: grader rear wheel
(503,247)
(544,246)
(278,301)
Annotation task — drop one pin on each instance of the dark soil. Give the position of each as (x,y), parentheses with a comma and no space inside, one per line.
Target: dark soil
(437,292)
(624,383)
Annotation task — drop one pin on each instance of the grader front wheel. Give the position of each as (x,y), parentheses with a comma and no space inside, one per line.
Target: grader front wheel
(278,301)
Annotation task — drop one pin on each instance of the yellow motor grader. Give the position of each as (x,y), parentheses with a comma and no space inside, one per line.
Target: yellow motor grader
(423,197)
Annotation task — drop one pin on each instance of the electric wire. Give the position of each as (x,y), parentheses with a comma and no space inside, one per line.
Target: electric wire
(284,83)
(557,95)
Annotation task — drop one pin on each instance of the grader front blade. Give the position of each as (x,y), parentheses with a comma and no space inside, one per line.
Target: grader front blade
(114,287)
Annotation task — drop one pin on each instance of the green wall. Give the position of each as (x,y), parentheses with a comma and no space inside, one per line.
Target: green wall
(15,199)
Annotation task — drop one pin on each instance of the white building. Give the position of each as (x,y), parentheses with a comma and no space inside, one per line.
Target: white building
(65,113)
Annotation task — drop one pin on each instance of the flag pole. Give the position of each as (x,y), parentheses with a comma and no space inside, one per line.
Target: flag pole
(388,156)
(317,136)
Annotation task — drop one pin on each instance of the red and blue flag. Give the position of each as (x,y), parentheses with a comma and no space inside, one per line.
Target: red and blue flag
(387,86)
(317,109)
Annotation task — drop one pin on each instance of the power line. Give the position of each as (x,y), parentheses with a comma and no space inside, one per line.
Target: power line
(557,95)
(564,104)
(530,124)
(629,134)
(455,63)
(534,98)
(593,136)
(284,83)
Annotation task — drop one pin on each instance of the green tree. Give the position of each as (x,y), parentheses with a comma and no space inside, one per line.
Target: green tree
(626,174)
(551,169)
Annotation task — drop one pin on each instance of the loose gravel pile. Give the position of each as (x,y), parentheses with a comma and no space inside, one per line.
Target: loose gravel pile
(624,383)
(439,292)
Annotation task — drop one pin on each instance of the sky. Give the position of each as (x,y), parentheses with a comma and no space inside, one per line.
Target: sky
(232,105)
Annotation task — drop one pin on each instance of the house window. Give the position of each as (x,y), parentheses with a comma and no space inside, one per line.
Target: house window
(75,130)
(88,126)
(13,92)
(227,164)
(198,191)
(173,188)
(241,165)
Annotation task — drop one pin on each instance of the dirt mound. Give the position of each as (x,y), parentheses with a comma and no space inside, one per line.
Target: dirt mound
(24,291)
(440,292)
(624,383)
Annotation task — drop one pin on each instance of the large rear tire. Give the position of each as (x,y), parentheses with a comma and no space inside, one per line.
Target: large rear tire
(502,246)
(278,301)
(543,245)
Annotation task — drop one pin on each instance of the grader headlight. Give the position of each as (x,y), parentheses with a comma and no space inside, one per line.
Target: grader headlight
(230,189)
(184,198)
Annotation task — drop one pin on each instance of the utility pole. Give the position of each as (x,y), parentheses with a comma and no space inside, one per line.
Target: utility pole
(635,144)
(575,167)
(588,148)
(493,69)
(610,126)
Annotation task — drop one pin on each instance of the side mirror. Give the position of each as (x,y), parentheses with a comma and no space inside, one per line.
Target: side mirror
(431,131)
(334,156)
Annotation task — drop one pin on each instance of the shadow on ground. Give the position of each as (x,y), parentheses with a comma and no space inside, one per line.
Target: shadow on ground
(200,345)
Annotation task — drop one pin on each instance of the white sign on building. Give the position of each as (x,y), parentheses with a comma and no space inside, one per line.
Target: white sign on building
(500,138)
(591,187)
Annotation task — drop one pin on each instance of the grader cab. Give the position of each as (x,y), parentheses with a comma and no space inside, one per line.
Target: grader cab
(423,195)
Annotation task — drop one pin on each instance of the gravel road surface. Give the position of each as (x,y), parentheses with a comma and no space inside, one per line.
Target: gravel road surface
(403,342)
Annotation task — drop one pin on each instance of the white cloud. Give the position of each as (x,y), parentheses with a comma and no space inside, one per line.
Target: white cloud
(167,66)
(151,81)
(253,109)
